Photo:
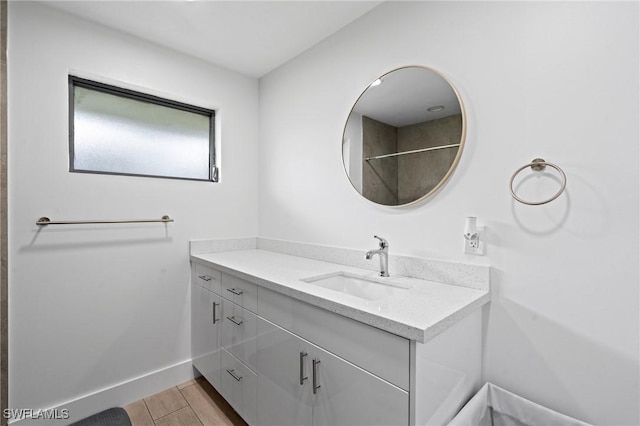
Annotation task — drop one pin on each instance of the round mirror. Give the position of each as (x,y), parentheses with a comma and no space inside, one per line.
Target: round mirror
(404,136)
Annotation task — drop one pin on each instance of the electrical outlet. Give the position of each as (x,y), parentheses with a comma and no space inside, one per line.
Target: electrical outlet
(471,246)
(474,245)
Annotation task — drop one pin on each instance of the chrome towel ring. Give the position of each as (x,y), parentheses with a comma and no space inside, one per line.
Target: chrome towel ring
(538,165)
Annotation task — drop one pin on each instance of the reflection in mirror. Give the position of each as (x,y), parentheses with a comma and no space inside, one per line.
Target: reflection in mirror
(404,136)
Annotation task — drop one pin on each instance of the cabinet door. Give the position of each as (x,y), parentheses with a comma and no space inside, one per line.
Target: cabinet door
(348,395)
(284,377)
(206,311)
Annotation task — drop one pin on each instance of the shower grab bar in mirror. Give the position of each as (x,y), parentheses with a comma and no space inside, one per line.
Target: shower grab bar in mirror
(414,151)
(44,221)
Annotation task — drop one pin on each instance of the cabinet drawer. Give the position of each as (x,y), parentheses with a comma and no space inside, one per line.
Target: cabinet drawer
(239,386)
(206,277)
(239,291)
(379,352)
(239,333)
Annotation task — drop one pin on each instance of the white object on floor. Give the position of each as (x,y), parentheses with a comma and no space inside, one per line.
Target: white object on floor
(494,406)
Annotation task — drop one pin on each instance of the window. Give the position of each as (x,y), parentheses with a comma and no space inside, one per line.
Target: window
(119,131)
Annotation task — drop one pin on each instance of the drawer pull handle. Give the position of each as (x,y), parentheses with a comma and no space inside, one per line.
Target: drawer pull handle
(234,320)
(214,312)
(234,291)
(302,376)
(232,374)
(204,277)
(316,386)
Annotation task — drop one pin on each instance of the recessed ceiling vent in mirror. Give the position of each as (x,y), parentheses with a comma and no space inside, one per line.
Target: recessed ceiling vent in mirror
(404,136)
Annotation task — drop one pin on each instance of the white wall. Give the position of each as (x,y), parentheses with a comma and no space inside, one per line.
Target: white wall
(93,306)
(557,80)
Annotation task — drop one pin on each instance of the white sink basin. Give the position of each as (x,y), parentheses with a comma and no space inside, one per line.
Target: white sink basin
(367,288)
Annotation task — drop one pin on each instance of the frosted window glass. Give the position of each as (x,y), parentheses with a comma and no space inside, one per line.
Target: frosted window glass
(116,134)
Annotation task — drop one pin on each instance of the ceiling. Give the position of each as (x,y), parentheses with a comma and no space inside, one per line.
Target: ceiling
(250,37)
(404,96)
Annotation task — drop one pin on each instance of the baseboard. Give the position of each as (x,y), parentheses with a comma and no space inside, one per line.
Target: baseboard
(117,395)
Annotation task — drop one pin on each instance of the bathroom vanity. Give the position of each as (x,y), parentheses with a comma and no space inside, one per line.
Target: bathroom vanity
(290,340)
(296,334)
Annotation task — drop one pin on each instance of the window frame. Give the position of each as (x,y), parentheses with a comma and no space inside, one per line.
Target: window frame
(75,81)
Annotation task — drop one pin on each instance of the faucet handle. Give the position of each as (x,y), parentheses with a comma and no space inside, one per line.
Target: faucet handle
(383,243)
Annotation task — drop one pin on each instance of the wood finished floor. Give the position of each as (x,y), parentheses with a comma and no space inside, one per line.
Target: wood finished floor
(194,403)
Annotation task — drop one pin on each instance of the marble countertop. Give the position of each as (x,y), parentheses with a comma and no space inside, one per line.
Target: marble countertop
(420,312)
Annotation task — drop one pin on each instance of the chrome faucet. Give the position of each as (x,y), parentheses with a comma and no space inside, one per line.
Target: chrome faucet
(383,252)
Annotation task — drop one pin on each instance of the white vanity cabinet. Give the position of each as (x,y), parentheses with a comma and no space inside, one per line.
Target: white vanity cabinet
(282,361)
(272,376)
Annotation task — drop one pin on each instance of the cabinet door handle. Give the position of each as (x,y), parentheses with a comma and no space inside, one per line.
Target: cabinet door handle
(316,386)
(214,304)
(204,277)
(303,354)
(234,291)
(231,372)
(234,320)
